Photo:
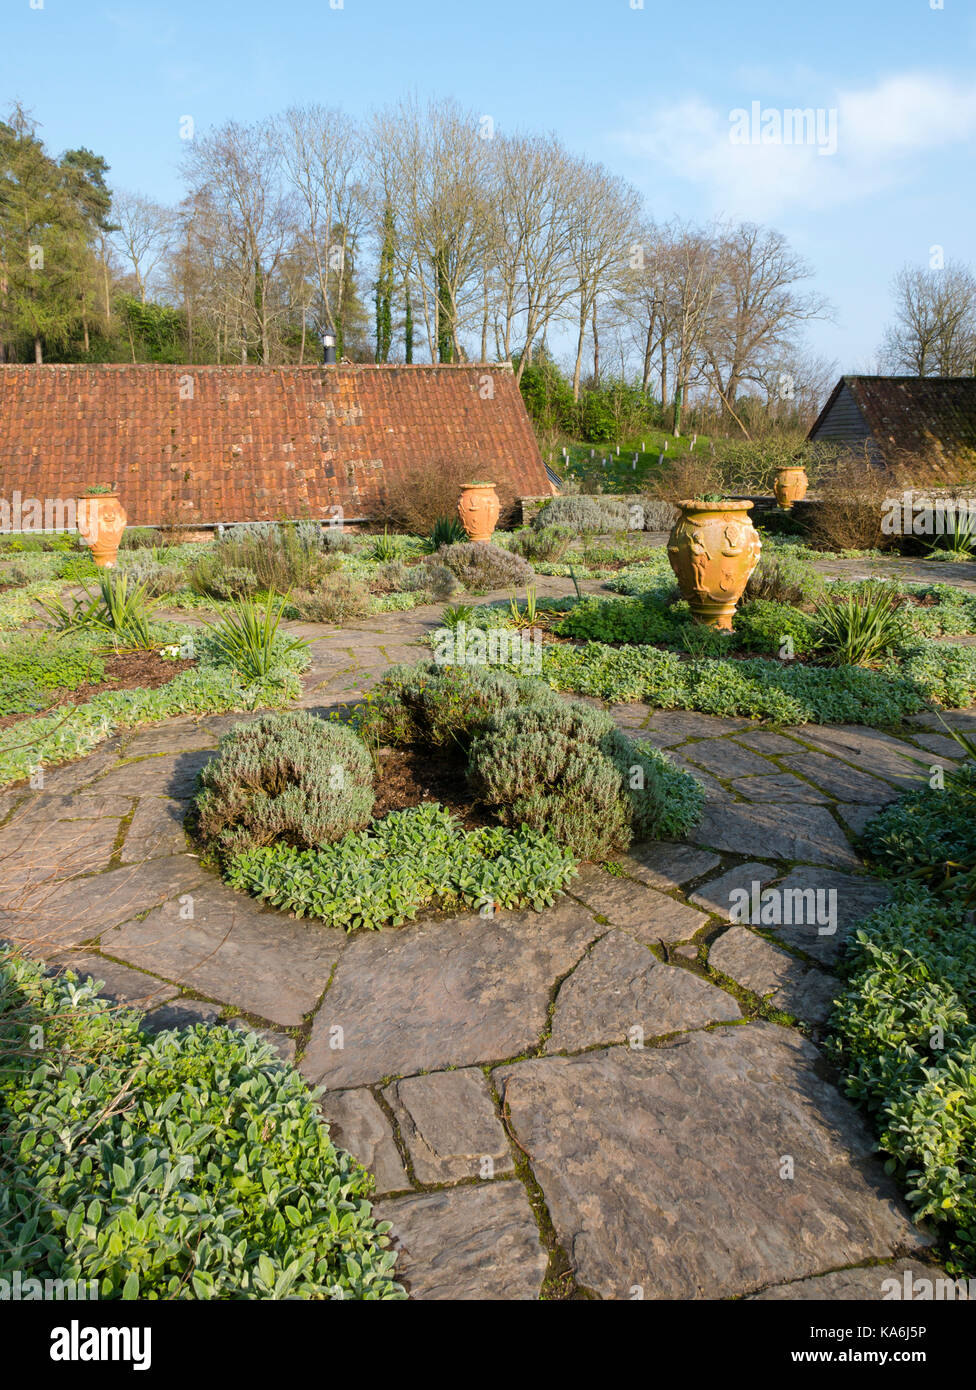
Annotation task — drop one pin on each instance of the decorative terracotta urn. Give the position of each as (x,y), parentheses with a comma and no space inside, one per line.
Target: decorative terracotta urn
(478,508)
(101,521)
(713,549)
(790,486)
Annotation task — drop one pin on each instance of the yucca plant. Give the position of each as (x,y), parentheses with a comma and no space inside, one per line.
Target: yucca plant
(447,531)
(959,542)
(123,612)
(456,613)
(860,629)
(248,636)
(118,610)
(385,548)
(523,617)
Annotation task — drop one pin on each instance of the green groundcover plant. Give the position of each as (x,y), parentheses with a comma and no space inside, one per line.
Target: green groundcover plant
(904,1035)
(193,1164)
(412,859)
(904,1030)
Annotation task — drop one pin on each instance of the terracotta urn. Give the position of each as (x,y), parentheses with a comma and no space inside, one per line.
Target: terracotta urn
(101,521)
(790,486)
(478,508)
(713,549)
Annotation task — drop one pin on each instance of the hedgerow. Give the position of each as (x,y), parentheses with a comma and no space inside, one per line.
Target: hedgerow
(190,1165)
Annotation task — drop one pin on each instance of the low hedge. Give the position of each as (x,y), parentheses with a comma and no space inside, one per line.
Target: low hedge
(189,1165)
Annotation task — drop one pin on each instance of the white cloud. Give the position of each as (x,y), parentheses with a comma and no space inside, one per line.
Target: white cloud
(881,133)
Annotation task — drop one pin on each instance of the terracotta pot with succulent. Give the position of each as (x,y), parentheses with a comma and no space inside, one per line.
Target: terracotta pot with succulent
(713,549)
(478,508)
(101,521)
(790,485)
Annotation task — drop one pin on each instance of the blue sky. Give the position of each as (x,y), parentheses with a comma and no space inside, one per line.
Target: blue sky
(647,90)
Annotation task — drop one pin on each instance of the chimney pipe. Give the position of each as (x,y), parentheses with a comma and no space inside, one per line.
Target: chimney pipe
(328,347)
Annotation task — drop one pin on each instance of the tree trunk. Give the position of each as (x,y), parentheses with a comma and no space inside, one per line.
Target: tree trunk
(577,370)
(596,350)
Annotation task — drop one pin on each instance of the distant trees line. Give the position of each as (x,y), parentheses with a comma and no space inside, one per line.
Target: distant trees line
(418,234)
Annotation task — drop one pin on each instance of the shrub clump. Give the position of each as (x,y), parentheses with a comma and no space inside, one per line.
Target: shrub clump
(565,768)
(547,543)
(479,566)
(338,598)
(428,705)
(577,514)
(285,777)
(214,1178)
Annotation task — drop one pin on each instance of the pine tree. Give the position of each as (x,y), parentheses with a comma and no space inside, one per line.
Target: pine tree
(44,241)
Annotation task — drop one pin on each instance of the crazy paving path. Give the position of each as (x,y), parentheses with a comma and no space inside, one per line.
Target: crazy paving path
(621,1096)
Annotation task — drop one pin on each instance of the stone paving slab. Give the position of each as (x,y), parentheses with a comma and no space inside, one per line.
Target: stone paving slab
(233,950)
(675,1182)
(840,780)
(621,993)
(120,983)
(78,910)
(725,759)
(810,834)
(684,724)
(156,829)
(783,788)
(442,994)
(449,1125)
(666,863)
(358,1123)
(467,1243)
(181,1013)
(715,896)
(856,896)
(790,985)
(876,753)
(172,776)
(877,1283)
(650,915)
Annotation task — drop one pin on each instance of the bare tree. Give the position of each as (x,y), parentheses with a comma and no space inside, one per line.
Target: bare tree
(430,167)
(142,238)
(934,333)
(238,169)
(603,215)
(758,309)
(323,155)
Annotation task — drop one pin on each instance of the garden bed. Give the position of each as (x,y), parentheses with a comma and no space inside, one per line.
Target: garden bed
(123,671)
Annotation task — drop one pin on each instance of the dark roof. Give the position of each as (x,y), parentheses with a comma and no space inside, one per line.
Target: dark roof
(212,444)
(912,413)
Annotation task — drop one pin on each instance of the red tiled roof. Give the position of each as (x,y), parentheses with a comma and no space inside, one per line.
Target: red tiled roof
(210,444)
(912,413)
